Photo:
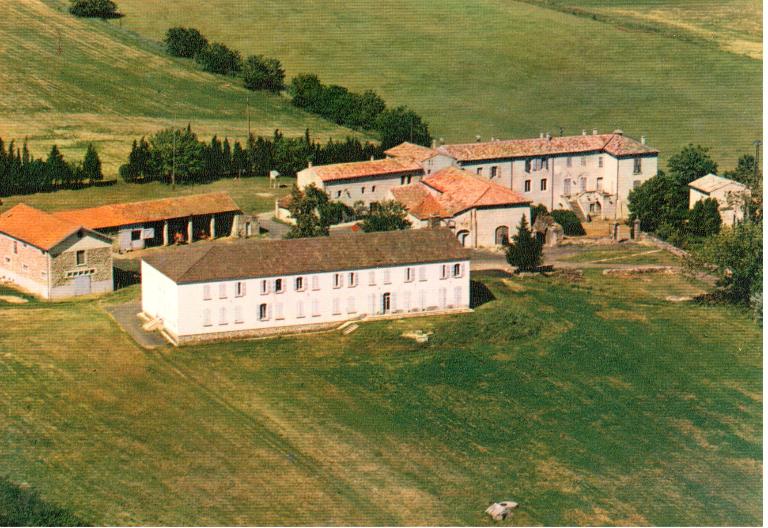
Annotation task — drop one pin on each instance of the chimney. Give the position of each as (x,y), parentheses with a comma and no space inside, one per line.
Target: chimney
(594,131)
(642,140)
(372,158)
(442,141)
(477,138)
(434,143)
(309,164)
(541,135)
(583,131)
(493,138)
(549,136)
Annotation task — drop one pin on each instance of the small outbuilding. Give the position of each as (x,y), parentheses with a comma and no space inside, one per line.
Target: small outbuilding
(731,196)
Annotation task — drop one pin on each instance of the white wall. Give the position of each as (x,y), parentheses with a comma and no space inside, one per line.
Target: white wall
(310,306)
(159,297)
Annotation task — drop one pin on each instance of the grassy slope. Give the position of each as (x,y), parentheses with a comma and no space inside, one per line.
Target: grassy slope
(496,67)
(651,416)
(72,81)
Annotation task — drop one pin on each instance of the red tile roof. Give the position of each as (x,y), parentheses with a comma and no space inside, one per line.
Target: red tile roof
(411,151)
(269,258)
(364,169)
(615,144)
(456,191)
(36,227)
(150,211)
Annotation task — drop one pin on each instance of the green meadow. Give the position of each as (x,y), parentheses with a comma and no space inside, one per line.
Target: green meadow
(588,402)
(73,81)
(511,69)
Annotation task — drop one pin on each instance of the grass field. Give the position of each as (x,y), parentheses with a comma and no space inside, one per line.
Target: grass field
(652,416)
(74,81)
(628,253)
(253,195)
(504,68)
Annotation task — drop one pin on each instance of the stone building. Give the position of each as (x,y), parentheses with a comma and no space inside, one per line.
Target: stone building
(137,225)
(51,257)
(731,196)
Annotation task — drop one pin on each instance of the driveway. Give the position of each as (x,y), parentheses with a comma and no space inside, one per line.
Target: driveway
(125,315)
(274,229)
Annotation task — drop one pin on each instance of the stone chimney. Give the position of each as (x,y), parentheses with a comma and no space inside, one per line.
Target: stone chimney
(434,143)
(549,136)
(642,140)
(477,138)
(594,131)
(309,164)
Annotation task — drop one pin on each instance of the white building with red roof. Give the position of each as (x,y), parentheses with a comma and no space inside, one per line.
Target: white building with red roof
(481,213)
(52,257)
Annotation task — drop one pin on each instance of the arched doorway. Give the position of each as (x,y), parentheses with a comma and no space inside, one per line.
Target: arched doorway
(502,236)
(463,237)
(595,209)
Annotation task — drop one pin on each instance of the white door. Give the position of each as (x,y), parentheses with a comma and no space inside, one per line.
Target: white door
(82,285)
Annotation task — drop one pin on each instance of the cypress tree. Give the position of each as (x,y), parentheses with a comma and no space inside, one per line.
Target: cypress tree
(92,165)
(525,250)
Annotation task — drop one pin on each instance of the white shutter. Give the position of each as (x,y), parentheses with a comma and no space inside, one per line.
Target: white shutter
(407,301)
(423,273)
(223,315)
(336,306)
(315,282)
(351,305)
(207,317)
(372,301)
(457,296)
(278,310)
(222,290)
(238,314)
(371,278)
(300,309)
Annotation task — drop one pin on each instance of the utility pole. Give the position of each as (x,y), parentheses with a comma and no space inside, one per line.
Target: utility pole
(173,162)
(248,112)
(757,144)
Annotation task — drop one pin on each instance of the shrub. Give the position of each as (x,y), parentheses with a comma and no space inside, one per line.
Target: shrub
(537,210)
(218,58)
(569,221)
(94,9)
(389,215)
(24,507)
(704,219)
(184,42)
(524,252)
(262,73)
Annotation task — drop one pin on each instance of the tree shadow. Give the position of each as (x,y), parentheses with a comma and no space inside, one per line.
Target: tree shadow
(479,294)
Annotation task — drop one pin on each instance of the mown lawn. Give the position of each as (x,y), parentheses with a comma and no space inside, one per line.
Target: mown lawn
(590,402)
(73,81)
(253,195)
(627,253)
(509,69)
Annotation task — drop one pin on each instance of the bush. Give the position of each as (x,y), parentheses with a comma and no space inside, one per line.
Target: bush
(217,58)
(569,221)
(24,507)
(184,42)
(261,73)
(388,215)
(524,252)
(94,9)
(704,219)
(537,210)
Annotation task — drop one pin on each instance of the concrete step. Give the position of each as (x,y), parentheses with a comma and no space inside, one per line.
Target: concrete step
(576,208)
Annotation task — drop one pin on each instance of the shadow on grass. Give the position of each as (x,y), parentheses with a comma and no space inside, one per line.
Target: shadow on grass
(22,506)
(479,294)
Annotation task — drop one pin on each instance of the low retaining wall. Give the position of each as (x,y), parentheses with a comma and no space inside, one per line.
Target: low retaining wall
(665,245)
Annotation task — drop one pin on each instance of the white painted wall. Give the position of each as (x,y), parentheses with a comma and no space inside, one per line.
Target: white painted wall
(318,302)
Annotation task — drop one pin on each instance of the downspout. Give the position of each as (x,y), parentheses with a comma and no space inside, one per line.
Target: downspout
(552,178)
(474,214)
(616,205)
(48,278)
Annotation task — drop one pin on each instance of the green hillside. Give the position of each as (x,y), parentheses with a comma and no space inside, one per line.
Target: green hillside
(594,402)
(73,81)
(497,67)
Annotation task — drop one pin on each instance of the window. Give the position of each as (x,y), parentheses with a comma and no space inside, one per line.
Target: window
(569,161)
(479,171)
(300,309)
(222,291)
(336,306)
(238,315)
(599,184)
(527,185)
(207,317)
(263,312)
(315,282)
(583,161)
(600,161)
(338,194)
(352,279)
(222,315)
(373,188)
(279,311)
(636,184)
(24,267)
(299,284)
(423,273)
(315,307)
(494,171)
(457,270)
(371,278)
(405,180)
(279,286)
(582,184)
(351,308)
(443,297)
(543,184)
(638,166)
(206,292)
(463,236)
(407,300)
(409,273)
(444,271)
(337,280)
(527,165)
(544,163)
(457,295)
(15,247)
(422,299)
(264,287)
(386,277)
(362,190)
(80,258)
(239,289)
(135,235)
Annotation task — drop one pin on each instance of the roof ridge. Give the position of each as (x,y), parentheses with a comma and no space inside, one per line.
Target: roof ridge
(196,261)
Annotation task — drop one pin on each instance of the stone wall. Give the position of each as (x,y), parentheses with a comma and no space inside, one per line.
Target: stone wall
(97,259)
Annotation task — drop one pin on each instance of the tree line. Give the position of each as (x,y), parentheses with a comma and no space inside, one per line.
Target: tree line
(366,111)
(21,173)
(178,154)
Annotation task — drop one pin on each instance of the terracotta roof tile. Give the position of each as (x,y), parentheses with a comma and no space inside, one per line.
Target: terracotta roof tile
(419,202)
(150,211)
(713,182)
(36,227)
(615,144)
(269,258)
(411,151)
(364,169)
